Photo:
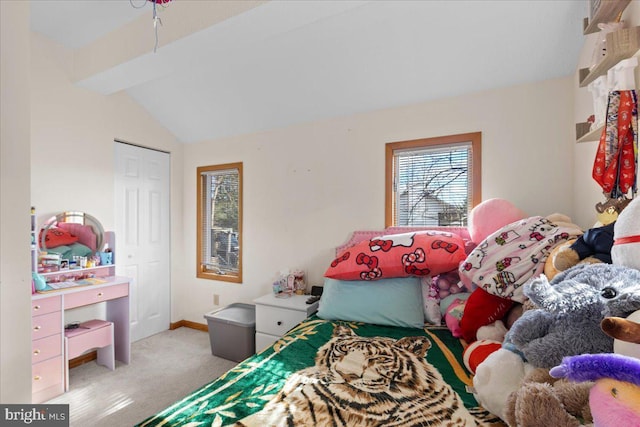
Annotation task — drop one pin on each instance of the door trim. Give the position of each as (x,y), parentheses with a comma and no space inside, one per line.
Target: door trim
(121,141)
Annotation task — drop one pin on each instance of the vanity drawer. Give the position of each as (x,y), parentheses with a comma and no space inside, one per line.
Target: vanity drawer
(92,296)
(277,321)
(46,374)
(45,305)
(46,348)
(45,325)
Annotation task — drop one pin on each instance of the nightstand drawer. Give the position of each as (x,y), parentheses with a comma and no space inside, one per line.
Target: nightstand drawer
(277,321)
(264,340)
(46,348)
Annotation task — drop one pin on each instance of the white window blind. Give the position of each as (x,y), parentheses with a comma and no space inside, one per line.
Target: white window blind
(206,220)
(220,221)
(431,185)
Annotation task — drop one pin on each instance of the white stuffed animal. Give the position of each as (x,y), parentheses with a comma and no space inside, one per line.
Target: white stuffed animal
(494,331)
(499,375)
(626,234)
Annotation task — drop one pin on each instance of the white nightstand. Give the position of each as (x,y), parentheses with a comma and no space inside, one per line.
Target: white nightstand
(275,316)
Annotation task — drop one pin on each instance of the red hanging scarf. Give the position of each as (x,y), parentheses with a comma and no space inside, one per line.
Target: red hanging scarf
(615,164)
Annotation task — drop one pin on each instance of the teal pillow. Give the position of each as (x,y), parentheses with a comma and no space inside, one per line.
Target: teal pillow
(60,250)
(391,302)
(74,249)
(78,249)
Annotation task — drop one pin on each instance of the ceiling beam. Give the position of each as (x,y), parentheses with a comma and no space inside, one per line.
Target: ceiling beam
(192,32)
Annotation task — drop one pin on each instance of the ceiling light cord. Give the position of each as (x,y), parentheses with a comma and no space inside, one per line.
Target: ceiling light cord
(156,19)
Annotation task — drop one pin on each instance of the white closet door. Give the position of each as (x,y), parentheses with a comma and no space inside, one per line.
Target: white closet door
(142,235)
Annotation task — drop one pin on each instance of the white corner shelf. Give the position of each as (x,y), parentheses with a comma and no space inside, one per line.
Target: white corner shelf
(621,45)
(593,135)
(607,12)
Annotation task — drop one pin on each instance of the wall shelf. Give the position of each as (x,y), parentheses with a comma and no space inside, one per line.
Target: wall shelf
(592,135)
(621,45)
(608,11)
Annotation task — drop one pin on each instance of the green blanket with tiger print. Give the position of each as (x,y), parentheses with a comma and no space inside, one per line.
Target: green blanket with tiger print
(327,373)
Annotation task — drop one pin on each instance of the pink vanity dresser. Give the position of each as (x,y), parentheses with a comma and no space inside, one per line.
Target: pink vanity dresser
(67,288)
(49,359)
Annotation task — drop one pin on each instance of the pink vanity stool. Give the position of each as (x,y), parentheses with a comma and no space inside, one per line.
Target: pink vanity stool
(88,336)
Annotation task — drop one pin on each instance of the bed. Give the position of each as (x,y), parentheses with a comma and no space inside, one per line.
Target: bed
(336,369)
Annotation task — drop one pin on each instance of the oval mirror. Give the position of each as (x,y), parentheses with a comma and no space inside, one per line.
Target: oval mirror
(71,229)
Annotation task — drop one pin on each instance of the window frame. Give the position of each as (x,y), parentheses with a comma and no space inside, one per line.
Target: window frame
(475,138)
(201,271)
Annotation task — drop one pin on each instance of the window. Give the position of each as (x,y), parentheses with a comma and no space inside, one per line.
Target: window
(220,222)
(432,181)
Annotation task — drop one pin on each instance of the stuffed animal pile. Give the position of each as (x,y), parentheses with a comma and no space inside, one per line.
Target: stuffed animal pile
(503,262)
(512,380)
(566,321)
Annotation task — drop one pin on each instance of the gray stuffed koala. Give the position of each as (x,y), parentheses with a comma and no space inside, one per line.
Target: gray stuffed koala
(570,308)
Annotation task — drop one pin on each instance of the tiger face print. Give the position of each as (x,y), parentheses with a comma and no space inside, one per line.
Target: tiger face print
(368,365)
(362,381)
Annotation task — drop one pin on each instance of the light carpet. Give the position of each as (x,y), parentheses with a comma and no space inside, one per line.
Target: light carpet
(164,368)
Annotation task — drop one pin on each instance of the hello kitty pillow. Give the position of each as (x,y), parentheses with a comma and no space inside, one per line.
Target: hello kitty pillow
(506,259)
(55,237)
(424,253)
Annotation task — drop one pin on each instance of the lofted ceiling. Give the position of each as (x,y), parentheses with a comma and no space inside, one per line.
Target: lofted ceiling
(224,68)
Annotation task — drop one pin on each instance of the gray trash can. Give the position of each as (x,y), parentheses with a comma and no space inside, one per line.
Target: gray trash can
(232,331)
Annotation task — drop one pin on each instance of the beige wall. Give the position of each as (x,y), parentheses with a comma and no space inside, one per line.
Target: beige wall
(15,277)
(306,187)
(72,157)
(73,132)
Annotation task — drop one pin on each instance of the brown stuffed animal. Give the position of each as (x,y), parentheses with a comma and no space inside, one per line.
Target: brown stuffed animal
(622,329)
(626,333)
(542,397)
(550,269)
(592,247)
